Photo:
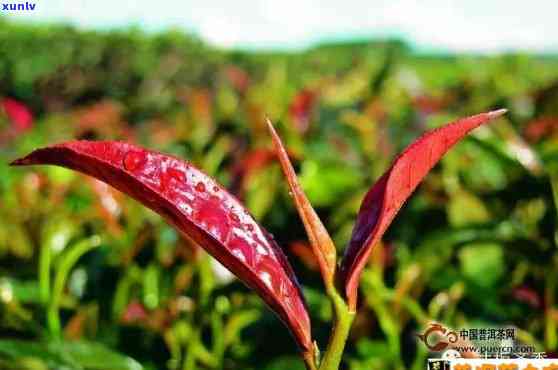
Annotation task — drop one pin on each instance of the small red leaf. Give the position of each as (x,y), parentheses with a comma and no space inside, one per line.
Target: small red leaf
(527,295)
(134,312)
(19,114)
(200,209)
(385,198)
(541,128)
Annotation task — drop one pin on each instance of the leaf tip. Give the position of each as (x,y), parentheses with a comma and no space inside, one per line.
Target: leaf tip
(29,159)
(280,150)
(271,129)
(497,113)
(268,121)
(20,162)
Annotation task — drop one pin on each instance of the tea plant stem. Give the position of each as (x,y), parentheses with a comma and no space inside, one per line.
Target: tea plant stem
(45,258)
(309,360)
(342,325)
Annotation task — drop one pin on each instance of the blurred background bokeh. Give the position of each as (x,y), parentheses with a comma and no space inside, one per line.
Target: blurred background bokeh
(90,279)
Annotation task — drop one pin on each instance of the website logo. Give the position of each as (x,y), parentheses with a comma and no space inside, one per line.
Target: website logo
(437,338)
(476,343)
(493,364)
(18,6)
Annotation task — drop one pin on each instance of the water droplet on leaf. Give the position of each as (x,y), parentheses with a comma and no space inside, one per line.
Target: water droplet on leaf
(134,160)
(200,186)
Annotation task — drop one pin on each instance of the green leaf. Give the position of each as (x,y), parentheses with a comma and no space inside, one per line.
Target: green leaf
(18,350)
(95,356)
(482,263)
(65,355)
(325,183)
(465,208)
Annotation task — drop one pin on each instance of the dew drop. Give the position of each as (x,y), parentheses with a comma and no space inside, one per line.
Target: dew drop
(250,227)
(200,186)
(235,217)
(134,160)
(170,175)
(216,189)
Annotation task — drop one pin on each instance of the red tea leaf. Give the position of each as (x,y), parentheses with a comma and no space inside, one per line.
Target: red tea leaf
(200,209)
(321,242)
(134,312)
(385,198)
(541,128)
(527,295)
(18,113)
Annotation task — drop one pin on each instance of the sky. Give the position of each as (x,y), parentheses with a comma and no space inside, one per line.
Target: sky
(451,25)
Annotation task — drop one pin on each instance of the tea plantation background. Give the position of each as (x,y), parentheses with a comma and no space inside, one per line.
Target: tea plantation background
(90,279)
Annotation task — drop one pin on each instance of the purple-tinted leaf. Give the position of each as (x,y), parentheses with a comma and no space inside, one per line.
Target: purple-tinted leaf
(385,198)
(200,209)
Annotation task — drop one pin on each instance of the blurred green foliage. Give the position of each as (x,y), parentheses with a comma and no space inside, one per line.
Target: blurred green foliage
(89,279)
